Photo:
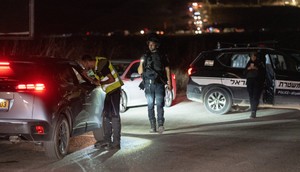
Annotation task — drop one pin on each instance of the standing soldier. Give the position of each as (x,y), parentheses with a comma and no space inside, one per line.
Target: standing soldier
(110,82)
(155,70)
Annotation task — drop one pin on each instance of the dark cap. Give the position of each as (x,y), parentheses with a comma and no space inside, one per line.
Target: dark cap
(153,38)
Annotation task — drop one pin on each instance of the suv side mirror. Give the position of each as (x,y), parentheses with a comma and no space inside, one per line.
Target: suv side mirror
(134,75)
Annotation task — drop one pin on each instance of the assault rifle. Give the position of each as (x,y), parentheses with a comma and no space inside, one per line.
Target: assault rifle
(142,84)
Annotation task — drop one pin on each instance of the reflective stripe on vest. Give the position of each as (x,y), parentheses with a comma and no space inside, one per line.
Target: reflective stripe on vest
(114,85)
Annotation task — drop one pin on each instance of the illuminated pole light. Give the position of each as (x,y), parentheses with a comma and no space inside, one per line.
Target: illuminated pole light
(142,32)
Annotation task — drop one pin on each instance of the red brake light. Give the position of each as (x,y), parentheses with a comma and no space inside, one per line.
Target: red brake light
(39,129)
(31,87)
(39,87)
(4,63)
(5,69)
(173,76)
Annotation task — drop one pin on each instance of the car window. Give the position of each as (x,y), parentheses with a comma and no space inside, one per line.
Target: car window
(294,53)
(66,77)
(78,76)
(234,60)
(133,69)
(239,60)
(283,63)
(205,59)
(120,67)
(278,62)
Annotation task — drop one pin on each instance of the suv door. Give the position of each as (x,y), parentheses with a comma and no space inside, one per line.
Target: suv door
(286,79)
(92,102)
(73,97)
(233,77)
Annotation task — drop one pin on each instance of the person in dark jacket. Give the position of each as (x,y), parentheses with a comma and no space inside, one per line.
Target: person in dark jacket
(154,67)
(255,74)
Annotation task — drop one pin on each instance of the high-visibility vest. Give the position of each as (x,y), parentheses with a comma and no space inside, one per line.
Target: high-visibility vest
(112,86)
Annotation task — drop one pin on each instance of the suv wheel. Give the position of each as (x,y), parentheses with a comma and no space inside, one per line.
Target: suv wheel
(123,101)
(217,101)
(57,148)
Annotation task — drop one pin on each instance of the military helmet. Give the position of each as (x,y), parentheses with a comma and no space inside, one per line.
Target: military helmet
(153,38)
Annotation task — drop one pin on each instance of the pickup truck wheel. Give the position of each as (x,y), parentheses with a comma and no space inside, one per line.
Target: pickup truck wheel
(58,147)
(217,101)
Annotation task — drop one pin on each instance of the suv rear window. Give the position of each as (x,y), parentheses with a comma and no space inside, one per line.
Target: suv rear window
(22,71)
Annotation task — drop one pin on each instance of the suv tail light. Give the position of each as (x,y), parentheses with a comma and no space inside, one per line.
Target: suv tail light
(40,129)
(4,64)
(174,76)
(4,68)
(191,70)
(39,87)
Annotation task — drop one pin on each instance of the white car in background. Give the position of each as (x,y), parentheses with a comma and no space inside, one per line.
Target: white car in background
(131,94)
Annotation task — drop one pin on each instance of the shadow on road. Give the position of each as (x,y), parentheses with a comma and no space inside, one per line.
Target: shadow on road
(266,120)
(83,159)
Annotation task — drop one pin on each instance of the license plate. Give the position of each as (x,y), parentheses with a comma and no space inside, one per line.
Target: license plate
(4,104)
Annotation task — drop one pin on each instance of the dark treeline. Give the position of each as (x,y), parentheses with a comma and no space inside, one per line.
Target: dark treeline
(181,50)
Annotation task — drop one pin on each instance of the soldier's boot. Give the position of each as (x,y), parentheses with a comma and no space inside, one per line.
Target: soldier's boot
(253,114)
(153,126)
(161,127)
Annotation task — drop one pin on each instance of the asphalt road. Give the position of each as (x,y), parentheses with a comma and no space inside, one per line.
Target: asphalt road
(193,141)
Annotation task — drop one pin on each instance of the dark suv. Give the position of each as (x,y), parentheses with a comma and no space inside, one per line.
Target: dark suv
(47,101)
(217,79)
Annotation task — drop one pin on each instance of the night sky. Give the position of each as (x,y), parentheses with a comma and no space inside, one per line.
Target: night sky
(114,15)
(107,15)
(80,16)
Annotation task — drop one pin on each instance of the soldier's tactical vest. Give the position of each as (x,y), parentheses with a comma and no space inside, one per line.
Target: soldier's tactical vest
(153,67)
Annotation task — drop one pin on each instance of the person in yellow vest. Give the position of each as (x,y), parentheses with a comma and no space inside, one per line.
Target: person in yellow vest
(106,76)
